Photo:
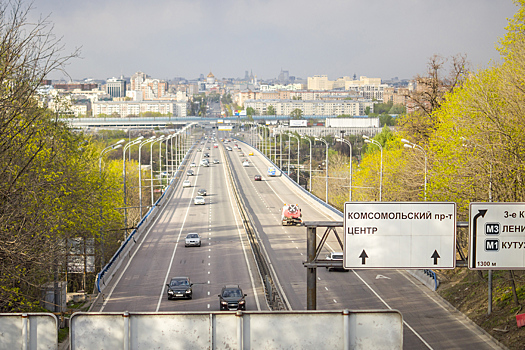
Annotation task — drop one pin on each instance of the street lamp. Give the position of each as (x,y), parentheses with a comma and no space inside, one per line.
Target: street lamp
(326,162)
(369,140)
(310,142)
(350,169)
(160,138)
(104,151)
(127,146)
(412,145)
(298,144)
(140,171)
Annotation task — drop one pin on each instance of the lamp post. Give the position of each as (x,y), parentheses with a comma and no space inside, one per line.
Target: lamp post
(310,142)
(280,150)
(350,169)
(298,150)
(151,165)
(326,162)
(412,145)
(140,171)
(104,151)
(369,140)
(127,146)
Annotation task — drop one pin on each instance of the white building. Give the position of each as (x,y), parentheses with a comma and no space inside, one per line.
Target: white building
(136,108)
(312,107)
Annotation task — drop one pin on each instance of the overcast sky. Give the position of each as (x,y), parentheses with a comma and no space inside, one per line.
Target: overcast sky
(172,38)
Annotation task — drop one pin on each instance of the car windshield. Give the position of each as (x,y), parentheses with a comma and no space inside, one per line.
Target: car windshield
(179,283)
(229,293)
(338,256)
(193,235)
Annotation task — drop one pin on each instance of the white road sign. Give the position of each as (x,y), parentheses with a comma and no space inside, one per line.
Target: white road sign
(497,236)
(400,235)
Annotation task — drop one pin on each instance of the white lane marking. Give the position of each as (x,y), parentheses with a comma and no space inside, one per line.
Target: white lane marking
(335,301)
(237,214)
(208,306)
(208,292)
(176,245)
(388,306)
(137,250)
(326,288)
(381,276)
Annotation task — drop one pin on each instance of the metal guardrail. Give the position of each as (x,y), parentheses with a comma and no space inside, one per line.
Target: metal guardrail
(115,261)
(273,295)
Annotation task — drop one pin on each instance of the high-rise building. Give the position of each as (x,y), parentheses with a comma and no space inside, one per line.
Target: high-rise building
(116,87)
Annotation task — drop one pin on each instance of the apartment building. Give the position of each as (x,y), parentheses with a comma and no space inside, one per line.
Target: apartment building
(312,107)
(135,108)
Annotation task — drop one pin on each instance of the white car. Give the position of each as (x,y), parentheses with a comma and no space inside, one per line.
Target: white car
(193,165)
(186,183)
(335,256)
(192,239)
(199,200)
(245,163)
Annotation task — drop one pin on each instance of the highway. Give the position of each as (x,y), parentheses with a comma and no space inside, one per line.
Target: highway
(225,257)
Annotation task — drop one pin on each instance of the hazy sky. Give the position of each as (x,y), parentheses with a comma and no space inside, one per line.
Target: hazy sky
(375,38)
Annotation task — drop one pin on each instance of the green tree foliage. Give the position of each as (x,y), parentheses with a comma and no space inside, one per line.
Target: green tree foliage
(251,111)
(50,185)
(270,110)
(296,114)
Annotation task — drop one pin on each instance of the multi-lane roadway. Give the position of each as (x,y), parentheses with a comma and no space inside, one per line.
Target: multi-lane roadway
(225,257)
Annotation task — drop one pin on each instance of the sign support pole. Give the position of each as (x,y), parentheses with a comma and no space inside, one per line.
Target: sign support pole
(311,272)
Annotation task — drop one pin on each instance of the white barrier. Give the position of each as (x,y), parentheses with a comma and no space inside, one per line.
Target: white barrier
(375,329)
(28,331)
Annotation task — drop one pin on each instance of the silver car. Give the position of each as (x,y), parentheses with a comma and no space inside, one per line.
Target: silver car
(192,240)
(199,200)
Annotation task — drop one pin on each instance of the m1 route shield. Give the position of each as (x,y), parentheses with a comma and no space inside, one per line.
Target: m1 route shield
(400,235)
(497,236)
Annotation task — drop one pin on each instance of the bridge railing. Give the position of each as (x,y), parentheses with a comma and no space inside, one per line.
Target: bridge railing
(343,329)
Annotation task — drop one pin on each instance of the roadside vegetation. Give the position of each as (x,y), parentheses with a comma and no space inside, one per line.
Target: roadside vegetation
(471,127)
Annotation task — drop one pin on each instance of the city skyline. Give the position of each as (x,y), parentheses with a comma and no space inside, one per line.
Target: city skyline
(340,38)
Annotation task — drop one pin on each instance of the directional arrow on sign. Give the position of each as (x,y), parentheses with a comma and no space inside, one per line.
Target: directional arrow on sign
(363,257)
(435,256)
(481,212)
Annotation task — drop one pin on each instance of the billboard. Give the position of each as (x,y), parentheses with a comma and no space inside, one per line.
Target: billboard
(298,123)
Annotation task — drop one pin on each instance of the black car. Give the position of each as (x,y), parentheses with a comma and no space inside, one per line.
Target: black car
(201,192)
(232,298)
(180,287)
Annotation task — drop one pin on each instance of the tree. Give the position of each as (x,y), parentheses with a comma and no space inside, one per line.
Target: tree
(251,111)
(296,114)
(431,92)
(270,110)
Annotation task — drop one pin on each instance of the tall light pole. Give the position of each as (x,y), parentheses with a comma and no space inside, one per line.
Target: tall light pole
(298,150)
(280,150)
(310,142)
(127,146)
(369,140)
(350,171)
(104,151)
(326,162)
(140,171)
(151,165)
(412,145)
